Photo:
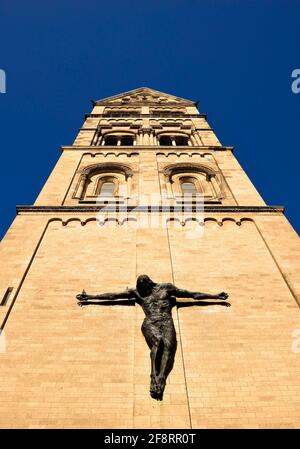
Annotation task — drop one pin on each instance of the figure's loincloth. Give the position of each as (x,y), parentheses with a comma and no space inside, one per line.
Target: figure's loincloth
(161,327)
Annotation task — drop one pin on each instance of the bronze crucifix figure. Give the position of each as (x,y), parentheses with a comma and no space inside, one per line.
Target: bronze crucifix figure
(157,301)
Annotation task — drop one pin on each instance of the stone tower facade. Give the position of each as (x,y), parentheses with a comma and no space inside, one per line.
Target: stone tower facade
(100,220)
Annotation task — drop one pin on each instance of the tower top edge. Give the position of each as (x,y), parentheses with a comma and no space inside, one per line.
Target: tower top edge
(144,94)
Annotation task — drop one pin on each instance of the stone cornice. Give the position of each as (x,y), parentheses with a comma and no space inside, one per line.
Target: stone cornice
(151,209)
(144,148)
(123,125)
(140,115)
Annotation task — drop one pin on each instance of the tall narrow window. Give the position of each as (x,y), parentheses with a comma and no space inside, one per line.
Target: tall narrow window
(107,189)
(188,188)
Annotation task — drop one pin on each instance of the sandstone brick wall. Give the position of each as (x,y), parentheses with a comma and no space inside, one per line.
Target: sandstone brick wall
(67,366)
(239,364)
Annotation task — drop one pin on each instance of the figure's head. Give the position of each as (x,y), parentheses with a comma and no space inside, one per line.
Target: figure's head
(144,285)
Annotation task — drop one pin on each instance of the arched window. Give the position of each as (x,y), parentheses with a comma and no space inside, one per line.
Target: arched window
(118,140)
(107,188)
(174,140)
(188,187)
(201,182)
(104,180)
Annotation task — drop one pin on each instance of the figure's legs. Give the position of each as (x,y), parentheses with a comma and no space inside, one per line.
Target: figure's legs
(169,347)
(154,340)
(154,354)
(165,360)
(161,339)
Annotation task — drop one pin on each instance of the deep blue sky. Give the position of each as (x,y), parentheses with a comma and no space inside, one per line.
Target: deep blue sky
(236,57)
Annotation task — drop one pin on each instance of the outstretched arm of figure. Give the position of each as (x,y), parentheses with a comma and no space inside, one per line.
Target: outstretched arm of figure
(179,293)
(127,294)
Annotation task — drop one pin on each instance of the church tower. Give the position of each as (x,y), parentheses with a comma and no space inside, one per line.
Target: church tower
(147,188)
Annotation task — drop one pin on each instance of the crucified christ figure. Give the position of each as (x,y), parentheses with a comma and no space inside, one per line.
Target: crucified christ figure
(157,301)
